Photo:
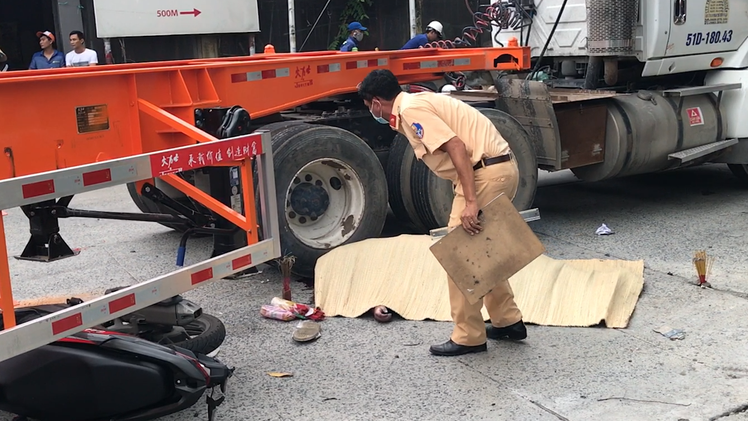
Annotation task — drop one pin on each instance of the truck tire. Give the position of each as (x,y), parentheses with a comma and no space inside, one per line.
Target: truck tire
(323,201)
(524,152)
(421,200)
(432,196)
(400,151)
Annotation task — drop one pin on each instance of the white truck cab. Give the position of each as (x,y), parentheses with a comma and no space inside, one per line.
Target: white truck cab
(680,48)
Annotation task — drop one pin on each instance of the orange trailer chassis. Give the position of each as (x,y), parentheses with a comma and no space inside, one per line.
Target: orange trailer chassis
(71,130)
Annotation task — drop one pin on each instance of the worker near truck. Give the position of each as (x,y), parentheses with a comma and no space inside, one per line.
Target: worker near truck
(355,35)
(80,56)
(462,145)
(49,57)
(433,32)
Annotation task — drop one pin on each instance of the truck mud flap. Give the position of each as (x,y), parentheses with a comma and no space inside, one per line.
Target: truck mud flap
(530,103)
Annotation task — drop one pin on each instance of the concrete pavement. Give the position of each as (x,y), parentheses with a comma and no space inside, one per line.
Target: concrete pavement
(362,370)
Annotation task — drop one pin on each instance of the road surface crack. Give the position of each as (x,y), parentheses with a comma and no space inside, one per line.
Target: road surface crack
(538,404)
(738,410)
(738,294)
(548,410)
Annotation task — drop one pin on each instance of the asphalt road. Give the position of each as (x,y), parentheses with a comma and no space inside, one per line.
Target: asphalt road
(362,370)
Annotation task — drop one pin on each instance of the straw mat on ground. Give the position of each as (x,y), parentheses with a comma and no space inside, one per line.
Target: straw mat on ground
(402,274)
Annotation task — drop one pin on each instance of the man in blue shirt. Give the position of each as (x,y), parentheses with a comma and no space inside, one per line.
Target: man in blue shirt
(48,57)
(355,35)
(433,32)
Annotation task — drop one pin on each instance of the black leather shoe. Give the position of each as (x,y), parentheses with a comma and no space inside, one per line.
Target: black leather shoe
(450,349)
(515,332)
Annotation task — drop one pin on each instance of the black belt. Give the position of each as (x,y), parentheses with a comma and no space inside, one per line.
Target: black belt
(491,161)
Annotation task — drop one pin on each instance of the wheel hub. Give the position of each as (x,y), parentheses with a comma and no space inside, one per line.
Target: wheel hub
(324,203)
(309,200)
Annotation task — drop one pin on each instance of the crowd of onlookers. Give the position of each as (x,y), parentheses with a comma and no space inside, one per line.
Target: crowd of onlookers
(49,57)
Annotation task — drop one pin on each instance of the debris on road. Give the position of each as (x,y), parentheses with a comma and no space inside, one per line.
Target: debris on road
(604,230)
(276,313)
(703,264)
(286,263)
(670,333)
(279,374)
(285,310)
(306,331)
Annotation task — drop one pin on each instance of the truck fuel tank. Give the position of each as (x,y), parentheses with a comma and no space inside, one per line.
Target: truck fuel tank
(645,127)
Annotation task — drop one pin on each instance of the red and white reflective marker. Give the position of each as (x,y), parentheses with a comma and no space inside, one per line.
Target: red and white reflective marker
(362,64)
(38,332)
(59,183)
(78,180)
(436,64)
(328,68)
(124,301)
(260,75)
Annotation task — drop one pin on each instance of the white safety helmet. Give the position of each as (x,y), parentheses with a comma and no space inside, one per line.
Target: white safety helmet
(436,26)
(448,88)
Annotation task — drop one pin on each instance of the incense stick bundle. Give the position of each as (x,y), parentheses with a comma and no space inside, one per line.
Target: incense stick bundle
(703,264)
(286,263)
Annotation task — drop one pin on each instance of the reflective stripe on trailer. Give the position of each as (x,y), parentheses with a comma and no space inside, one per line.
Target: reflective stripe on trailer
(436,64)
(322,68)
(73,182)
(21,191)
(260,75)
(360,64)
(328,68)
(42,331)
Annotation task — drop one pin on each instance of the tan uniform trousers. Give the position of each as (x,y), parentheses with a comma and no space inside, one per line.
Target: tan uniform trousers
(470,329)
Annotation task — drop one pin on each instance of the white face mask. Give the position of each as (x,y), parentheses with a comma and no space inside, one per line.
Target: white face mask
(358,35)
(379,119)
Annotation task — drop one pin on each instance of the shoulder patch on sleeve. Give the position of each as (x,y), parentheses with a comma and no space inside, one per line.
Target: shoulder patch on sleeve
(418,129)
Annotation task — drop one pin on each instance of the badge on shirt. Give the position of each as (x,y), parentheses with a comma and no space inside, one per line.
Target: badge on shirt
(418,129)
(393,121)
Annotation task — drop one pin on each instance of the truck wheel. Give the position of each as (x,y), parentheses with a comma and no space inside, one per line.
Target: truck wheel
(524,152)
(420,199)
(740,171)
(432,196)
(400,151)
(331,190)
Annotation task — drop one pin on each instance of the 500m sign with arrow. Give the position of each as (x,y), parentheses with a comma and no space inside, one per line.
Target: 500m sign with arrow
(176,13)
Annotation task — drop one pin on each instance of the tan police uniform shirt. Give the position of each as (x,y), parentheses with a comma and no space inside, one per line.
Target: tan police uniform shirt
(429,120)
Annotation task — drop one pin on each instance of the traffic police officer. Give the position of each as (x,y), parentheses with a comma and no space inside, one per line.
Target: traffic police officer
(460,144)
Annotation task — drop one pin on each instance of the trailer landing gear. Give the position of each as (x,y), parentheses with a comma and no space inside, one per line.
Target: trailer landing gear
(46,243)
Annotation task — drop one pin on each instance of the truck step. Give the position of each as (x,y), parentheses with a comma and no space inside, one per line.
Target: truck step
(528,215)
(698,90)
(699,151)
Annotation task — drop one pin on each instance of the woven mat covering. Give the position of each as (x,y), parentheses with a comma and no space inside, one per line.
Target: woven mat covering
(402,274)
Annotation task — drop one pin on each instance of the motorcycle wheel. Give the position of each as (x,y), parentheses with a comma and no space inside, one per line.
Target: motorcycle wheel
(206,333)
